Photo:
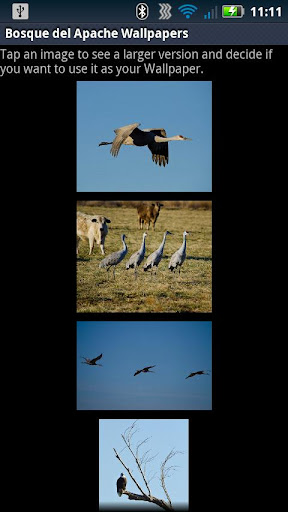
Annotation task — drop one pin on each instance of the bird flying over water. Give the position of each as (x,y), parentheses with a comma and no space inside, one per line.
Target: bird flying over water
(145,370)
(155,138)
(200,372)
(92,362)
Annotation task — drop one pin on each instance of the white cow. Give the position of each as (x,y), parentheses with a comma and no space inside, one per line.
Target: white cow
(93,227)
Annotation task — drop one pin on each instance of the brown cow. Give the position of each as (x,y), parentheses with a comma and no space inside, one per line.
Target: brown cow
(93,227)
(148,213)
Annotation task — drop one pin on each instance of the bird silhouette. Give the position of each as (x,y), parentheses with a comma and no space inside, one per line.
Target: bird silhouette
(200,372)
(92,362)
(145,370)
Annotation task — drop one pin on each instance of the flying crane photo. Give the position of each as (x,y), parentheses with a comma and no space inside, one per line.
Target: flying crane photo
(147,365)
(160,134)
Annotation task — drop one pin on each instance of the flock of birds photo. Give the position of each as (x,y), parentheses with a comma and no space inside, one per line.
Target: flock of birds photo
(155,138)
(153,260)
(146,369)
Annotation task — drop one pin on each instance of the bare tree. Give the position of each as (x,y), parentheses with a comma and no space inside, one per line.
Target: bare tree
(141,462)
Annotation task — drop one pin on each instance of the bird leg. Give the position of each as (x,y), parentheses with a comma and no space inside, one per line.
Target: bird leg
(114,271)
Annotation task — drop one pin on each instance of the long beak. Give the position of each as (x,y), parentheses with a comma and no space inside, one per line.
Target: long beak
(187,138)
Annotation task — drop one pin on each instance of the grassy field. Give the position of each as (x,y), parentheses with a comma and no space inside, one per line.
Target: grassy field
(97,292)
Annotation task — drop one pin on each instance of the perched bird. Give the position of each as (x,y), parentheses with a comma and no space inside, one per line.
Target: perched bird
(114,258)
(137,258)
(154,138)
(121,484)
(145,370)
(92,362)
(178,258)
(200,372)
(154,259)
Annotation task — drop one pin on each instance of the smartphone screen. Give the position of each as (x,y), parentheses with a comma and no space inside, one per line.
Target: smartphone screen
(159,126)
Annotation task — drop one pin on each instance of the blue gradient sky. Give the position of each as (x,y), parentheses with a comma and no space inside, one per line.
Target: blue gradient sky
(176,348)
(165,435)
(183,108)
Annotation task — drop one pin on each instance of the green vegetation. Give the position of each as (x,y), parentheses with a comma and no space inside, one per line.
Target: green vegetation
(97,292)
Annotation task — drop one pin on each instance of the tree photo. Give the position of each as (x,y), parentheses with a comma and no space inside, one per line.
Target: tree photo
(147,475)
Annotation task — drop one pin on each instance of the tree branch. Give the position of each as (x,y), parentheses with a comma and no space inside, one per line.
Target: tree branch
(127,441)
(151,499)
(165,472)
(130,474)
(141,462)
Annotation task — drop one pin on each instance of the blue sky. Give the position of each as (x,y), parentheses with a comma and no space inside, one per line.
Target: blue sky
(165,435)
(182,108)
(176,348)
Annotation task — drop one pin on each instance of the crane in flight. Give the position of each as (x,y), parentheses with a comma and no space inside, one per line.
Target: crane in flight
(200,372)
(145,370)
(92,362)
(155,138)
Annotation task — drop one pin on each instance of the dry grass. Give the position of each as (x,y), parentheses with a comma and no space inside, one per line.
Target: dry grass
(190,292)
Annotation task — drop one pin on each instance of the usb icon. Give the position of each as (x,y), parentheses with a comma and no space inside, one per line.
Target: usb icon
(20,11)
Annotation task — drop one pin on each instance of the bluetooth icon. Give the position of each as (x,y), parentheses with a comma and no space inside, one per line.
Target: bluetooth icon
(142,11)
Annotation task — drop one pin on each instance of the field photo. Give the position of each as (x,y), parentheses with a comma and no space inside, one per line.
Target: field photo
(157,280)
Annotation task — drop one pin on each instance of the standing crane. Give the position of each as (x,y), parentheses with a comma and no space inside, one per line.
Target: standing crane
(155,138)
(137,258)
(154,259)
(178,258)
(114,258)
(145,370)
(92,362)
(200,372)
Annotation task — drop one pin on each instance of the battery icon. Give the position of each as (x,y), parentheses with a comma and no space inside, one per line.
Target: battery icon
(233,11)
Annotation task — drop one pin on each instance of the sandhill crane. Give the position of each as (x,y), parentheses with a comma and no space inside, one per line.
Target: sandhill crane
(137,258)
(179,256)
(114,258)
(154,259)
(92,362)
(154,138)
(145,370)
(200,372)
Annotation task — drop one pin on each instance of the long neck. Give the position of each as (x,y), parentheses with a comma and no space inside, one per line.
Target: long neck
(157,138)
(124,244)
(184,243)
(163,243)
(143,245)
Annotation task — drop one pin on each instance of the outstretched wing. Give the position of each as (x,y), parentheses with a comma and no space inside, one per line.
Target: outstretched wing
(96,359)
(192,375)
(159,150)
(157,131)
(148,367)
(121,134)
(138,371)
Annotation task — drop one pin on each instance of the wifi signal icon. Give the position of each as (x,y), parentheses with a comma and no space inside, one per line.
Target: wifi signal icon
(188,10)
